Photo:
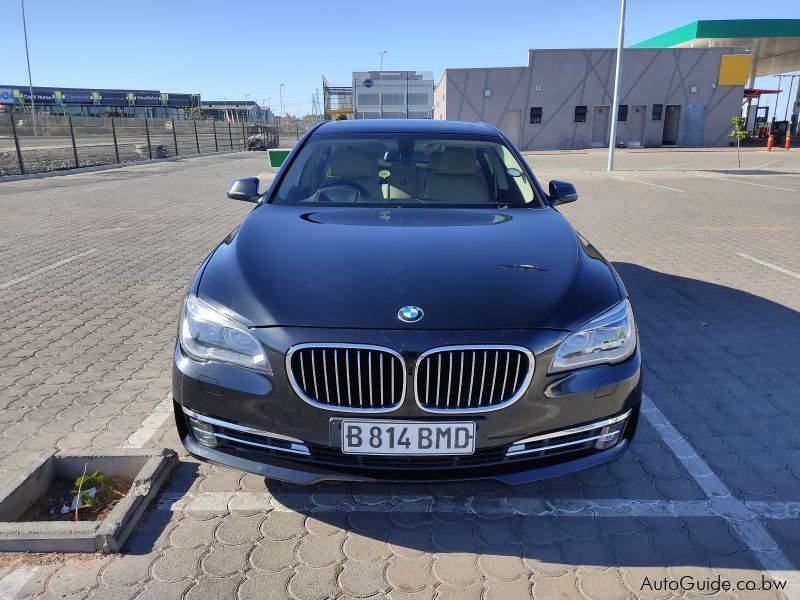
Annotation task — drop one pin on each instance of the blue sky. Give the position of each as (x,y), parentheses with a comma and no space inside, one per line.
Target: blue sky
(230,49)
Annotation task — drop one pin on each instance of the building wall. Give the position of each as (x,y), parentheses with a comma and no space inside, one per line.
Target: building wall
(406,94)
(559,80)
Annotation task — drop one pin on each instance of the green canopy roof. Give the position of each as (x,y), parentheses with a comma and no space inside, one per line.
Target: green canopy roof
(774,43)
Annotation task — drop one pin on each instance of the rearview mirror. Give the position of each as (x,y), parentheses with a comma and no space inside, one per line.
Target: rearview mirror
(244,189)
(562,192)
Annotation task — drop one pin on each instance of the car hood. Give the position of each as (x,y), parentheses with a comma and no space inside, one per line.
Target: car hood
(356,267)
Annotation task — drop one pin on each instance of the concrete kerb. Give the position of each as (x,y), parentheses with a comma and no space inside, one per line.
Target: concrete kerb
(147,468)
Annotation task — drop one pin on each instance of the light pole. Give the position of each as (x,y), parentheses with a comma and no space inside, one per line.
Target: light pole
(28,59)
(280,91)
(380,89)
(612,142)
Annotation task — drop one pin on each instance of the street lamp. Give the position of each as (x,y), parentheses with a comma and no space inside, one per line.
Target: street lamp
(280,91)
(380,89)
(28,59)
(615,103)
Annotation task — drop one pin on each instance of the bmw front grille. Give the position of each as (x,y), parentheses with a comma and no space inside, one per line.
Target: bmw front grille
(472,378)
(347,377)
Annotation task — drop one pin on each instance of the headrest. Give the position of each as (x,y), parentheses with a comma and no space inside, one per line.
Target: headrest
(457,161)
(351,164)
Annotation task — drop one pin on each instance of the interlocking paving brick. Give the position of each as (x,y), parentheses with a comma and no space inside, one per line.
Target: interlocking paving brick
(458,569)
(311,583)
(410,574)
(206,588)
(272,556)
(363,579)
(235,529)
(224,560)
(177,564)
(321,550)
(265,586)
(85,355)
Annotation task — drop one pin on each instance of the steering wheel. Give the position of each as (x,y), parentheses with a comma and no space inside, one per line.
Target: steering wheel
(336,181)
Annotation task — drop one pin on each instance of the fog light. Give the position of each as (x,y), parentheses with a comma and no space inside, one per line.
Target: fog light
(610,435)
(203,433)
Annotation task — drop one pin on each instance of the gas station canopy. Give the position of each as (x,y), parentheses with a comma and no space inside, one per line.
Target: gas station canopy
(774,44)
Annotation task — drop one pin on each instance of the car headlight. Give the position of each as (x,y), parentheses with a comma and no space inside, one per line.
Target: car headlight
(207,334)
(608,338)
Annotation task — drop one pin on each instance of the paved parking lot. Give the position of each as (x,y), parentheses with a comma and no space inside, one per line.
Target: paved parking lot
(93,268)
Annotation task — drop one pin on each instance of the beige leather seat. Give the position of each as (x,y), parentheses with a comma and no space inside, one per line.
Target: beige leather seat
(356,166)
(458,178)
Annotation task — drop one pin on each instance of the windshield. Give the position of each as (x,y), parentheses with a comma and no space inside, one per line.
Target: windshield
(406,170)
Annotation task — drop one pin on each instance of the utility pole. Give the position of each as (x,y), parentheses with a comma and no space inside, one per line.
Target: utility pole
(612,142)
(789,101)
(380,90)
(280,91)
(28,59)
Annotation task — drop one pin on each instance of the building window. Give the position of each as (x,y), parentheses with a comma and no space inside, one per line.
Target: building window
(368,99)
(580,114)
(622,112)
(657,110)
(394,99)
(418,99)
(536,114)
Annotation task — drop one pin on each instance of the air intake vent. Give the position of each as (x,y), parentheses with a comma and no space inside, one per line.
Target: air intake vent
(347,377)
(472,378)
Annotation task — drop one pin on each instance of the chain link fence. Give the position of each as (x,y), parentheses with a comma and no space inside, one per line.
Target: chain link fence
(67,142)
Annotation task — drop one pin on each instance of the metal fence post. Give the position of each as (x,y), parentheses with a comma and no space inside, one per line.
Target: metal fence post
(16,143)
(216,142)
(244,138)
(74,147)
(147,131)
(175,137)
(230,134)
(114,133)
(196,139)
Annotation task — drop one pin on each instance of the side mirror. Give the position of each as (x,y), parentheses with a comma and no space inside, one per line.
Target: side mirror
(562,192)
(244,189)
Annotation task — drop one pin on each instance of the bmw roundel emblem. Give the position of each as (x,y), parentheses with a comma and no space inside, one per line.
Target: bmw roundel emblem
(410,314)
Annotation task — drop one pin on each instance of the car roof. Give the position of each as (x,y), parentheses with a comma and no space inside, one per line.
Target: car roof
(405,126)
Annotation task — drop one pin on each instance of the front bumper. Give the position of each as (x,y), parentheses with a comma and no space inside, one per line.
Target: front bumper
(263,427)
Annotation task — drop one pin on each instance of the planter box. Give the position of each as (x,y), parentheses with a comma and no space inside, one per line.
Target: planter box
(147,468)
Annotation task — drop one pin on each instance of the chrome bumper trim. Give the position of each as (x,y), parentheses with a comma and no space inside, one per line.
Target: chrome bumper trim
(296,446)
(574,430)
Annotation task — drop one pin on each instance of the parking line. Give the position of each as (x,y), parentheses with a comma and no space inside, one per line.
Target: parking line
(768,264)
(773,187)
(739,516)
(766,164)
(55,265)
(663,187)
(151,424)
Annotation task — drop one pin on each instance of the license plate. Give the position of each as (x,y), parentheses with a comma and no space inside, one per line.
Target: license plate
(407,437)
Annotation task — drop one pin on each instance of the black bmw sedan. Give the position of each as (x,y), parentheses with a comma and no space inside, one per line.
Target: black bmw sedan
(406,303)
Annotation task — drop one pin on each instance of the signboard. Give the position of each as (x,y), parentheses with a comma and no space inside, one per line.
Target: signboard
(164,99)
(96,98)
(147,98)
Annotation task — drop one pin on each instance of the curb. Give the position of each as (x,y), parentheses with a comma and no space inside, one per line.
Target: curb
(149,470)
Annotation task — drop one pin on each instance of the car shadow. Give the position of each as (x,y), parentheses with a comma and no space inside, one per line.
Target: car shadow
(709,352)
